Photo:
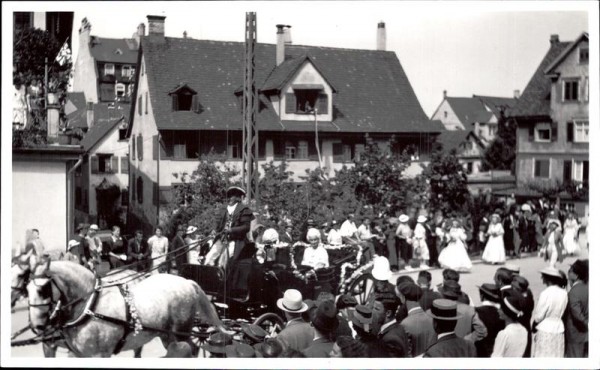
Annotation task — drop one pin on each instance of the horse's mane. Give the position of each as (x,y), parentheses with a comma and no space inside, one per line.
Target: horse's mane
(77,279)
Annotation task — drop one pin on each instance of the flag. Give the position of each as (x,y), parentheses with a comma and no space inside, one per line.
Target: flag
(64,55)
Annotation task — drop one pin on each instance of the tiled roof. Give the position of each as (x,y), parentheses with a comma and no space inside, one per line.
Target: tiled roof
(97,132)
(452,139)
(497,103)
(105,50)
(465,108)
(285,72)
(482,116)
(565,52)
(535,100)
(76,118)
(373,94)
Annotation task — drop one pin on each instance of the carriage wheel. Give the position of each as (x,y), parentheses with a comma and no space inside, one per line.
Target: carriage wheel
(271,322)
(199,334)
(362,288)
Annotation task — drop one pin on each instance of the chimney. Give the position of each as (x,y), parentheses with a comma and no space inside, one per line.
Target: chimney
(84,34)
(156,25)
(283,38)
(185,34)
(554,39)
(517,94)
(90,114)
(381,36)
(445,93)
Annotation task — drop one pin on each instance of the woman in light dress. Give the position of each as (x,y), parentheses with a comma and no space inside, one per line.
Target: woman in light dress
(494,249)
(512,340)
(419,241)
(455,255)
(570,228)
(552,246)
(159,246)
(548,327)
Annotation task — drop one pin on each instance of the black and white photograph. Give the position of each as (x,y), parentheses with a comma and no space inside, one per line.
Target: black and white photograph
(205,184)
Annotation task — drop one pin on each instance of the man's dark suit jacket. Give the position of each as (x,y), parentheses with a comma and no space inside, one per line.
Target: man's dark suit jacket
(576,328)
(395,341)
(451,346)
(179,255)
(134,249)
(491,318)
(240,226)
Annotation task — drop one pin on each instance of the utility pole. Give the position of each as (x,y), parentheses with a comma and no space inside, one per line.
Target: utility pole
(250,109)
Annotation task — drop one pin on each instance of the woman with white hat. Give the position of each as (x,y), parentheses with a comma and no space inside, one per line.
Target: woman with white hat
(455,255)
(552,247)
(494,249)
(190,237)
(549,338)
(420,249)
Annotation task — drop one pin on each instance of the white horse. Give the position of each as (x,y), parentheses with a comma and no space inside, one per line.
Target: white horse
(61,296)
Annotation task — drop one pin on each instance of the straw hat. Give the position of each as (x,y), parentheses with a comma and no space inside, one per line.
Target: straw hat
(549,271)
(292,302)
(235,190)
(444,309)
(72,243)
(381,268)
(422,218)
(191,229)
(526,207)
(94,227)
(403,218)
(512,268)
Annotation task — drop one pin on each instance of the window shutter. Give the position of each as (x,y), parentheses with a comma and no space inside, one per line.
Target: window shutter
(195,105)
(569,132)
(155,147)
(114,167)
(139,105)
(140,147)
(133,192)
(586,171)
(140,190)
(174,102)
(132,152)
(536,168)
(567,171)
(338,152)
(554,129)
(563,91)
(146,105)
(95,163)
(323,103)
(290,103)
(124,165)
(531,132)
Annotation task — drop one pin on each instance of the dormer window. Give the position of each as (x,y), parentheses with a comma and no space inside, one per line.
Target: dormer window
(120,90)
(306,98)
(118,51)
(584,55)
(184,98)
(109,69)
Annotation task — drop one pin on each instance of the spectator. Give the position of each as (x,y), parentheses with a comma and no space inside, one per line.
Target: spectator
(95,244)
(431,240)
(402,309)
(116,248)
(34,242)
(488,313)
(286,235)
(365,237)
(448,344)
(316,255)
(552,247)
(521,286)
(576,328)
(216,344)
(503,279)
(404,235)
(345,304)
(420,249)
(325,323)
(348,347)
(158,245)
(391,334)
(511,233)
(428,296)
(270,348)
(365,325)
(177,250)
(191,236)
(450,274)
(571,228)
(548,327)
(344,326)
(82,249)
(138,252)
(512,340)
(469,326)
(334,237)
(349,231)
(297,333)
(494,249)
(417,325)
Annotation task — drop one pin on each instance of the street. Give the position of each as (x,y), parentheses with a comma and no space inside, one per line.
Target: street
(481,273)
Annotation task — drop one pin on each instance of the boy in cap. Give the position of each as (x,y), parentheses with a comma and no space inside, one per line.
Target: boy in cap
(448,344)
(392,334)
(325,323)
(488,313)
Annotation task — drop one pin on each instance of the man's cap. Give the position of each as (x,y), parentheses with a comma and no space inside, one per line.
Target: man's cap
(410,291)
(235,190)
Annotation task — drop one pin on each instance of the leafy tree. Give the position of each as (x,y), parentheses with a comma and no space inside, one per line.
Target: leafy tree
(448,184)
(501,153)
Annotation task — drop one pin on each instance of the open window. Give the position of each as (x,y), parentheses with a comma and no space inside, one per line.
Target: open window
(109,69)
(306,98)
(541,168)
(120,90)
(570,90)
(184,98)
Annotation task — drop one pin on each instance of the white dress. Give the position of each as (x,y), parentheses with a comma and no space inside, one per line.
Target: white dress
(549,341)
(494,249)
(455,254)
(570,228)
(158,251)
(419,244)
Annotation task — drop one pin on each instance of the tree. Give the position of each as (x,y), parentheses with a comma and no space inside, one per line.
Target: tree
(448,184)
(501,153)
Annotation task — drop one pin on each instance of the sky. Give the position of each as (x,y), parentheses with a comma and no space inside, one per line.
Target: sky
(489,48)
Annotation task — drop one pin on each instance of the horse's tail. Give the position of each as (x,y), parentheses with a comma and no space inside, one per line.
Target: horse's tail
(207,311)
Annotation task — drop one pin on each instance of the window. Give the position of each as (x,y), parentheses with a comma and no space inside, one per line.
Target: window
(306,100)
(445,114)
(570,90)
(129,89)
(104,163)
(542,168)
(582,131)
(140,147)
(139,104)
(126,71)
(146,106)
(584,55)
(233,152)
(132,150)
(469,167)
(492,130)
(120,90)
(182,102)
(290,150)
(302,149)
(124,165)
(109,69)
(577,171)
(543,132)
(139,189)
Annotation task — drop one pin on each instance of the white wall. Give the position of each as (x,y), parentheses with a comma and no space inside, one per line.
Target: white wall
(450,122)
(40,202)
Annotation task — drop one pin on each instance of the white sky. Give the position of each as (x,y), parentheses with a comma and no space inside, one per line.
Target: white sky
(464,48)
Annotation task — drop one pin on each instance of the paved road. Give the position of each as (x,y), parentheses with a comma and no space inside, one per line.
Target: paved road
(481,273)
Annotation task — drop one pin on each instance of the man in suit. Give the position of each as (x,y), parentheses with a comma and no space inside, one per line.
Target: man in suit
(81,249)
(576,328)
(297,334)
(324,323)
(177,252)
(138,251)
(510,226)
(448,344)
(417,325)
(488,313)
(365,321)
(428,295)
(233,225)
(392,334)
(469,325)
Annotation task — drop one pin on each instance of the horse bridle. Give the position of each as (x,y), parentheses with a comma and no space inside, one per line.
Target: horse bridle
(23,280)
(53,312)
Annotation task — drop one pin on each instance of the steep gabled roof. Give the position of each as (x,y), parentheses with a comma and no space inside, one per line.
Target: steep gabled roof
(565,52)
(452,139)
(284,72)
(98,132)
(374,93)
(496,104)
(535,100)
(465,108)
(75,109)
(113,50)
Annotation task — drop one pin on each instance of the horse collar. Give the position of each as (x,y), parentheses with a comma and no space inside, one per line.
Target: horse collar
(89,306)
